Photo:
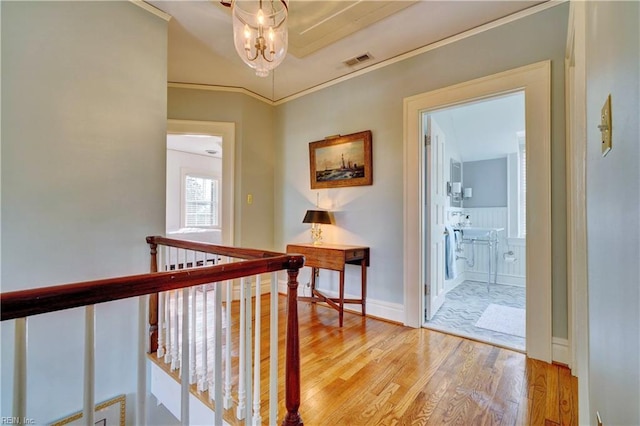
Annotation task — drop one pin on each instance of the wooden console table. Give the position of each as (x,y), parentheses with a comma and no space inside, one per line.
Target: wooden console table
(333,257)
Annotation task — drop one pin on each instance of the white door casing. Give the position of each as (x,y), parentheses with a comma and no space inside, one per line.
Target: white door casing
(577,277)
(535,80)
(227,132)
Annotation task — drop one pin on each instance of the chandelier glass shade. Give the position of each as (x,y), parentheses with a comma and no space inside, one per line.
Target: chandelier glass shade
(260,33)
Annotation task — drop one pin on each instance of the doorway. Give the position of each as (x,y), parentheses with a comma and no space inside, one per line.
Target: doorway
(200,187)
(534,81)
(475,220)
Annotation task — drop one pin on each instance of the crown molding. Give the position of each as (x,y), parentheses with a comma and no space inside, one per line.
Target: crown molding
(151,9)
(214,88)
(419,51)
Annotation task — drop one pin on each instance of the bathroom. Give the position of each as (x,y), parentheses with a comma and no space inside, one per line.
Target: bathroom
(485,221)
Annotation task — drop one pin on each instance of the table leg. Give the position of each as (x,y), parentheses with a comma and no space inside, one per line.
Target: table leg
(314,272)
(364,287)
(341,311)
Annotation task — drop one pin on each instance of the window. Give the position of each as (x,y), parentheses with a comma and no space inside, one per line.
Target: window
(201,201)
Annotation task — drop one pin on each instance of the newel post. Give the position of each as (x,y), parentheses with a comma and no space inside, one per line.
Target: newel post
(153,300)
(292,366)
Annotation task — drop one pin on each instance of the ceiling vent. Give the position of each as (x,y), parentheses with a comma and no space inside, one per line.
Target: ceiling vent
(358,59)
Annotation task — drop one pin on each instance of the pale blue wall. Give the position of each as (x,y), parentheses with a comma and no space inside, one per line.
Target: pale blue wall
(488,179)
(613,212)
(372,215)
(83,183)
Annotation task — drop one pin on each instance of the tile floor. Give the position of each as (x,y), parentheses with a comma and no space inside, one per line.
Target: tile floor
(465,304)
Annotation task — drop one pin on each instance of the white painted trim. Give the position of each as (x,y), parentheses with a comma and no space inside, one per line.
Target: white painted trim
(228,133)
(152,9)
(215,88)
(577,277)
(535,79)
(561,351)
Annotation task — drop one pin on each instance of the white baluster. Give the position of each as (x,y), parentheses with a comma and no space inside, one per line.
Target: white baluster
(240,409)
(167,327)
(203,372)
(228,401)
(89,364)
(273,351)
(217,374)
(184,367)
(257,418)
(192,340)
(143,347)
(161,325)
(20,369)
(247,354)
(180,264)
(175,325)
(193,300)
(161,305)
(213,358)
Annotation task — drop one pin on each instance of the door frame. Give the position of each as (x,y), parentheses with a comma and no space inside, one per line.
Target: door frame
(577,277)
(535,80)
(227,131)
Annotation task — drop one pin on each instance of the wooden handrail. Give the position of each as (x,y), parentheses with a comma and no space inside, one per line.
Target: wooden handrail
(18,304)
(21,304)
(237,252)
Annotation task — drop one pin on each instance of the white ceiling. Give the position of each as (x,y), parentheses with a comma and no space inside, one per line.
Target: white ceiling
(323,35)
(486,129)
(210,146)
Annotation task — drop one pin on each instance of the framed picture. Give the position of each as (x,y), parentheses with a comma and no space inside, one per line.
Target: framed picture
(108,413)
(341,161)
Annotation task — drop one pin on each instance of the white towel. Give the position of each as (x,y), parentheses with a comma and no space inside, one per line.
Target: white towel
(450,270)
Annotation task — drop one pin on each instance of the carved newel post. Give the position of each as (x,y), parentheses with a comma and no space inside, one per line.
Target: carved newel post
(292,366)
(153,300)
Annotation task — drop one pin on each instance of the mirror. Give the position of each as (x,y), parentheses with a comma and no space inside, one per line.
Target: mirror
(455,184)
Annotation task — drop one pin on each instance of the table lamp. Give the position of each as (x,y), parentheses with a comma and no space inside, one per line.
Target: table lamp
(316,218)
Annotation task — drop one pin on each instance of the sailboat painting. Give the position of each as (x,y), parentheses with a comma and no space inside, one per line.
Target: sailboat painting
(341,161)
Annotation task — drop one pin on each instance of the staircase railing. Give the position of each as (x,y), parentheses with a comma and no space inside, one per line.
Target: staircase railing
(174,276)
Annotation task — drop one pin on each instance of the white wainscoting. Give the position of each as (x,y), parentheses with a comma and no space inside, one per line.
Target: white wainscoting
(512,273)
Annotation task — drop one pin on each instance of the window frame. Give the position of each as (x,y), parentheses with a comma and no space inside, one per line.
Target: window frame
(186,173)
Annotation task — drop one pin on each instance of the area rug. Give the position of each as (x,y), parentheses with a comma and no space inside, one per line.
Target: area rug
(503,319)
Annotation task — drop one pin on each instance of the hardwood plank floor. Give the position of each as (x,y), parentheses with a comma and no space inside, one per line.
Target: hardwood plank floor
(372,372)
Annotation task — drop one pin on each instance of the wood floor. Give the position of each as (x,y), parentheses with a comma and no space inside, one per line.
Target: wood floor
(371,372)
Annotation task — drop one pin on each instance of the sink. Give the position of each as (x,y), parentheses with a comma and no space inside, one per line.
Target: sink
(472,232)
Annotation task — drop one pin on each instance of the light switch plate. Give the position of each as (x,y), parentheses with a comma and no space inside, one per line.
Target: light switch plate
(605,126)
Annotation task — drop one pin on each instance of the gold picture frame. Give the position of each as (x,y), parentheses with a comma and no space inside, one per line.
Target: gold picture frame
(341,161)
(112,412)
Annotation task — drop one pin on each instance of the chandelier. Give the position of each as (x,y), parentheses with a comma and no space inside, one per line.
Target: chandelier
(260,32)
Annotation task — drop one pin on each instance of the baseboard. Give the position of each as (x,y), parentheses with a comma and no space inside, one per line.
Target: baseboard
(381,309)
(451,284)
(502,278)
(560,351)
